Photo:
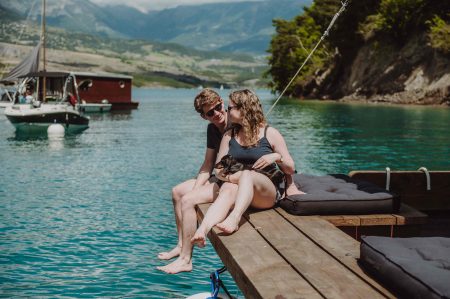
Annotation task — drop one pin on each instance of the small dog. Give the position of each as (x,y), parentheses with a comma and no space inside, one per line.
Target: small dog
(231,166)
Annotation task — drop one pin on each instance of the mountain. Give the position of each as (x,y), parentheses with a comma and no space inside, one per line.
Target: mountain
(150,63)
(232,27)
(77,16)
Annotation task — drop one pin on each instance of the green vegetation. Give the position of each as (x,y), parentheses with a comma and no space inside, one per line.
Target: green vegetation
(440,34)
(140,80)
(397,17)
(387,23)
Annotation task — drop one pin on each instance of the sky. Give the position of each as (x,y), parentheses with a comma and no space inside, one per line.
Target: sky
(147,5)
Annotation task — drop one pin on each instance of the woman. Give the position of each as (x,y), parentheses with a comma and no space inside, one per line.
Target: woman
(250,142)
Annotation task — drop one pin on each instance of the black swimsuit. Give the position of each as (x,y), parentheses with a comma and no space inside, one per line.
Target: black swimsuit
(249,155)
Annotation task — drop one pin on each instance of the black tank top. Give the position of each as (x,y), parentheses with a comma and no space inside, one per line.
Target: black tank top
(249,154)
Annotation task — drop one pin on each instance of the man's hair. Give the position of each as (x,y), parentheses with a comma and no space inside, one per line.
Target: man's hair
(206,97)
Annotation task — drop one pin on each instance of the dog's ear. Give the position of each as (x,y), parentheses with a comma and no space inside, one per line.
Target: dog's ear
(219,165)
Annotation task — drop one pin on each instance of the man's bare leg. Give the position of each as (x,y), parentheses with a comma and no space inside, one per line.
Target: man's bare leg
(204,194)
(216,213)
(177,194)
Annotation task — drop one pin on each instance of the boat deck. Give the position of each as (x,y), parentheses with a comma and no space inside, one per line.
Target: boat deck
(278,255)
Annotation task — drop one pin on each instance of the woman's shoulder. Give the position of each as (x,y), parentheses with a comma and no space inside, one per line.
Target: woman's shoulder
(271,131)
(272,134)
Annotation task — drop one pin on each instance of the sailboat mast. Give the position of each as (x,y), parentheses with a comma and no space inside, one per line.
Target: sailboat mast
(43,50)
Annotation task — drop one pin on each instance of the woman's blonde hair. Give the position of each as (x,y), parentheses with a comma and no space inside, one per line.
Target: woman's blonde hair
(253,116)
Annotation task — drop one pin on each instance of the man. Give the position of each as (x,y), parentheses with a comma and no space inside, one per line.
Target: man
(203,189)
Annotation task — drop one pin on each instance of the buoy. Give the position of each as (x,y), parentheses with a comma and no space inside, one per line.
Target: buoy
(55,130)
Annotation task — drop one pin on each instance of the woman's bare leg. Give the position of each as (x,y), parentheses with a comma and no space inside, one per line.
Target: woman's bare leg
(177,193)
(291,188)
(204,194)
(216,213)
(254,189)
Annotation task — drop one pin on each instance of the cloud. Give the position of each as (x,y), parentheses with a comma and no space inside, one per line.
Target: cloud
(147,5)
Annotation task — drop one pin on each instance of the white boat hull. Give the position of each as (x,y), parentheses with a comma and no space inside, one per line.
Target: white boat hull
(25,117)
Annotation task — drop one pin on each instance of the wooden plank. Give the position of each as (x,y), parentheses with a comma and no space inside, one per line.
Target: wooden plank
(343,220)
(259,271)
(330,277)
(378,219)
(409,215)
(406,215)
(344,248)
(411,187)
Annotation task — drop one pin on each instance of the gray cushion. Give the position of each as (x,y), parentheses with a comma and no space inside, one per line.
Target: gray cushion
(338,194)
(411,267)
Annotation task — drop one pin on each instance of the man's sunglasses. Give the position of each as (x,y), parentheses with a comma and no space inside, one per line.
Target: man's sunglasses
(210,113)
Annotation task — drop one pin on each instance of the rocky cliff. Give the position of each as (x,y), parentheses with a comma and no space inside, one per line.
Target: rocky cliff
(413,73)
(395,51)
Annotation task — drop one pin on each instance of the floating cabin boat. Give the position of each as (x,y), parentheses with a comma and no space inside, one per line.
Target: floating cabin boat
(371,234)
(101,92)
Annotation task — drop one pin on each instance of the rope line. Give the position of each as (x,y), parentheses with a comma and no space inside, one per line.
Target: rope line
(325,34)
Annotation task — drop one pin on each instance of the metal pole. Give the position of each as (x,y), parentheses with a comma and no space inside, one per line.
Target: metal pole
(44,91)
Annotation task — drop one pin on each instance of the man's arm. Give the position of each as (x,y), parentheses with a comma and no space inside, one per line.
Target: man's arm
(223,150)
(205,170)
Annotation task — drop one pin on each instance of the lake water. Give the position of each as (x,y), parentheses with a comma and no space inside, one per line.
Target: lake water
(85,216)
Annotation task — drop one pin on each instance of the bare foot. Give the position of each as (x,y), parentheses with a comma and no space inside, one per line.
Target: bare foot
(167,255)
(177,266)
(229,225)
(293,190)
(199,238)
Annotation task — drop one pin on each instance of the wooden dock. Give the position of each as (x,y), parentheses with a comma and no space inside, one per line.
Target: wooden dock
(278,255)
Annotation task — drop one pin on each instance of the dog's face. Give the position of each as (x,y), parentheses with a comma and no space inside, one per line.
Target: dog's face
(225,162)
(229,164)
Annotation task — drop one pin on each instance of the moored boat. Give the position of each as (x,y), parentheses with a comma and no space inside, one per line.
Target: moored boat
(34,111)
(99,88)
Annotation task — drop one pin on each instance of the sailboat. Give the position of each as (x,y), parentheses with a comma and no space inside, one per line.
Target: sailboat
(10,83)
(44,98)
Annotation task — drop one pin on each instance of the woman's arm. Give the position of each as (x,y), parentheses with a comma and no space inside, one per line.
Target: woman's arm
(281,155)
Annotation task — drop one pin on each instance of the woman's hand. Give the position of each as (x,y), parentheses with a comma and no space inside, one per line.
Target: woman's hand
(266,160)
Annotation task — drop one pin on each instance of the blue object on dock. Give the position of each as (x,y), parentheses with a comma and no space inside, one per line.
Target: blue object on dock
(216,283)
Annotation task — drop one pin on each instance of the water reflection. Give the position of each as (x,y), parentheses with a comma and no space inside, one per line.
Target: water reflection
(326,137)
(55,143)
(41,141)
(114,115)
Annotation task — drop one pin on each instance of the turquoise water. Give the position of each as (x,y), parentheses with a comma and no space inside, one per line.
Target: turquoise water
(85,216)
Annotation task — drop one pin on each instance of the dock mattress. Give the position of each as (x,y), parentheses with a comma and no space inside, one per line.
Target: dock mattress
(411,267)
(338,195)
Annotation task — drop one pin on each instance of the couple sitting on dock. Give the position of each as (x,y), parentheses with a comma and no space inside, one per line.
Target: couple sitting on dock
(242,136)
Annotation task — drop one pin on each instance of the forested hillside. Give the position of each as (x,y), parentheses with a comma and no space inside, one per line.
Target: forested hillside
(379,50)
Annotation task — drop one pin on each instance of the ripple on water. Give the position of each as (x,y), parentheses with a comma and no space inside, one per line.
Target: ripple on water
(86,217)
